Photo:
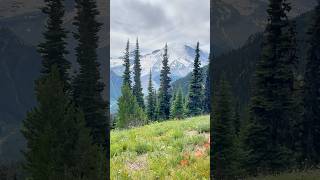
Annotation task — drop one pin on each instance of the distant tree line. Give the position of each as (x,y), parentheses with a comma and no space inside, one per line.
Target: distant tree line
(280,129)
(66,131)
(135,109)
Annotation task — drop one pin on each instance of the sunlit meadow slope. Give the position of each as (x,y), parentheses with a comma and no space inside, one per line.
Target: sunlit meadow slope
(168,150)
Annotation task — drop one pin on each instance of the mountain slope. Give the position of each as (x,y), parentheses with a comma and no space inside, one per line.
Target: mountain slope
(234,20)
(17,74)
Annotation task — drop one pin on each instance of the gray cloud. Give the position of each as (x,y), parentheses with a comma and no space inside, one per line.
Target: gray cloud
(156,22)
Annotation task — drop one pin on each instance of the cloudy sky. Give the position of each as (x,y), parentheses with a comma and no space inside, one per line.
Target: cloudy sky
(156,22)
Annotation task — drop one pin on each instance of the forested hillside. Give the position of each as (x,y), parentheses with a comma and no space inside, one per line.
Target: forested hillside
(18,71)
(239,65)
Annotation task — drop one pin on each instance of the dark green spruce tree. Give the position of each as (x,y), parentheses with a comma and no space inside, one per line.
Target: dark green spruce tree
(270,139)
(156,103)
(164,94)
(126,75)
(224,151)
(87,85)
(207,93)
(137,88)
(173,98)
(237,119)
(53,48)
(311,119)
(151,103)
(177,110)
(55,130)
(196,87)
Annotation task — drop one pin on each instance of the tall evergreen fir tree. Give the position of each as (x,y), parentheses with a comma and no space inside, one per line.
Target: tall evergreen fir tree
(164,94)
(237,119)
(207,93)
(185,104)
(137,88)
(311,119)
(126,75)
(270,138)
(173,98)
(151,104)
(156,104)
(224,149)
(87,85)
(196,87)
(129,113)
(54,131)
(178,106)
(53,49)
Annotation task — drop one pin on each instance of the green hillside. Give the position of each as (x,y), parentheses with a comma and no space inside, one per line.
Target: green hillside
(167,150)
(239,65)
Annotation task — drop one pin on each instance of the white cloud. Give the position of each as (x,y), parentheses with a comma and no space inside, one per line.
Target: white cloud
(156,22)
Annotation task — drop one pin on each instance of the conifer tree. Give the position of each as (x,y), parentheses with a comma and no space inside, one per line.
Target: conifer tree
(178,106)
(173,98)
(137,88)
(207,93)
(270,137)
(185,104)
(126,75)
(237,119)
(311,118)
(53,49)
(224,156)
(87,85)
(151,104)
(54,131)
(156,104)
(164,94)
(129,113)
(196,87)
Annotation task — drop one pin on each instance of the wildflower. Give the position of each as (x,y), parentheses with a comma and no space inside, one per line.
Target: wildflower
(198,153)
(184,162)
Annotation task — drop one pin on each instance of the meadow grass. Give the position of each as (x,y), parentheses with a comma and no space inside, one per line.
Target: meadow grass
(176,149)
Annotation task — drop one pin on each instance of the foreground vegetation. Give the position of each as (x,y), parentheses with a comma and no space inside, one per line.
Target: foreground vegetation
(168,150)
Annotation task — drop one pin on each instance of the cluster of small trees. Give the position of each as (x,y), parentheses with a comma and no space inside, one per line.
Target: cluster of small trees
(280,130)
(163,104)
(66,131)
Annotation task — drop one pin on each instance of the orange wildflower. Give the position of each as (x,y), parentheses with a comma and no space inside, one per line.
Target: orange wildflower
(198,153)
(184,162)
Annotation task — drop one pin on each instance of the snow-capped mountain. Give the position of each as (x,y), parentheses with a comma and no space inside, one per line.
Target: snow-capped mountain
(181,58)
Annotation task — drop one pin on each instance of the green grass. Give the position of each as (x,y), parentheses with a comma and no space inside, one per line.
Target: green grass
(176,149)
(306,175)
